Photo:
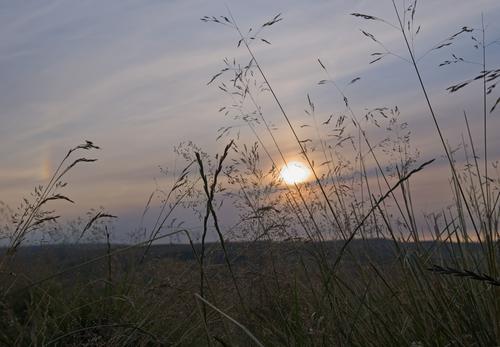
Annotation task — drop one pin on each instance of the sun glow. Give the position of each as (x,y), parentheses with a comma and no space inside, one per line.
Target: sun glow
(294,172)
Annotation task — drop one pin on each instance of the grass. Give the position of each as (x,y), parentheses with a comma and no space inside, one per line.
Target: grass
(338,261)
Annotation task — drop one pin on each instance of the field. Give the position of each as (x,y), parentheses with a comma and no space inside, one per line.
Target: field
(327,249)
(117,300)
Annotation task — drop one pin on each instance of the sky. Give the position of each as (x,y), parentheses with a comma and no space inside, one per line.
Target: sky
(131,76)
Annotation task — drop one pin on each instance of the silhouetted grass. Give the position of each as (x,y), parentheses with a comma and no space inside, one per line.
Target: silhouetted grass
(336,261)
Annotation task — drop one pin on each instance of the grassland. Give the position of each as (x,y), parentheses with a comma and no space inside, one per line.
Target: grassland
(337,261)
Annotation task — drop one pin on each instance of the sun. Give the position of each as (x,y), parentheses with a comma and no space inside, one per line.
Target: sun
(294,172)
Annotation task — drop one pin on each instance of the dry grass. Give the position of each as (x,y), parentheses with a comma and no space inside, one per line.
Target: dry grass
(338,261)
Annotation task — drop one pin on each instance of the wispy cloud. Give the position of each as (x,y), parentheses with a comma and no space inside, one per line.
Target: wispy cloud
(131,76)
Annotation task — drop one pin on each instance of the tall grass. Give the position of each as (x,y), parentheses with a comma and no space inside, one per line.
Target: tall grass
(337,261)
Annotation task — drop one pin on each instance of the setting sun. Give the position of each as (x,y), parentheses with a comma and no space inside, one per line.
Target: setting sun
(294,172)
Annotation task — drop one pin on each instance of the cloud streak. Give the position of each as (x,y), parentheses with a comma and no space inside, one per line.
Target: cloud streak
(131,76)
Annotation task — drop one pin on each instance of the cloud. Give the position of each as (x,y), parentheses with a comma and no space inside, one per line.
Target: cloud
(132,77)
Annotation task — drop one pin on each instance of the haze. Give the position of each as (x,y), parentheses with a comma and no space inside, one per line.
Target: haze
(131,76)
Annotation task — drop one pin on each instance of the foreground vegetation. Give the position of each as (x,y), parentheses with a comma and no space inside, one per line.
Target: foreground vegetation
(284,301)
(341,260)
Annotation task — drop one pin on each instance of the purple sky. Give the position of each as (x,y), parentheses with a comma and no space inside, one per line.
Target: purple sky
(131,76)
